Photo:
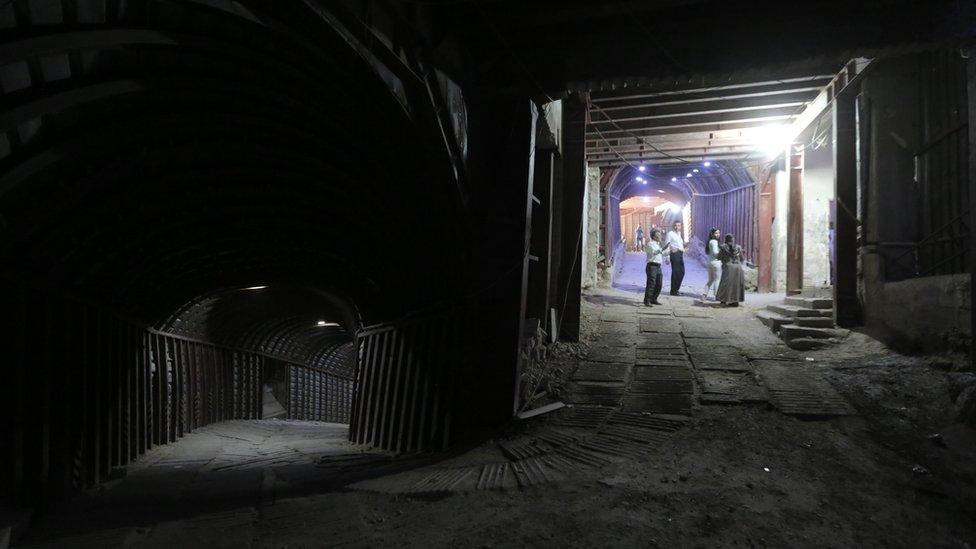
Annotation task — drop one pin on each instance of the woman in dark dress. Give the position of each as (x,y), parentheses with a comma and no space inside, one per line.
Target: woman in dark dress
(732,288)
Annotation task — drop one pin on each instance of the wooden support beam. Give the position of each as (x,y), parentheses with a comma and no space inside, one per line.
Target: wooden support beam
(847,307)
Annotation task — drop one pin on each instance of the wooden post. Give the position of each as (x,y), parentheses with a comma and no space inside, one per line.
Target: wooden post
(794,223)
(573,185)
(971,92)
(847,308)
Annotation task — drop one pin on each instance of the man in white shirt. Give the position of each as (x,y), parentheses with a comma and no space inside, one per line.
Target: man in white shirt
(655,253)
(676,242)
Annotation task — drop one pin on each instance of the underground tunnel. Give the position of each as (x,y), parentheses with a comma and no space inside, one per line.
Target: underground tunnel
(377,273)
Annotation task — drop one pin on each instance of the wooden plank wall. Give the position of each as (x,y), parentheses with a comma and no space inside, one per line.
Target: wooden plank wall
(86,391)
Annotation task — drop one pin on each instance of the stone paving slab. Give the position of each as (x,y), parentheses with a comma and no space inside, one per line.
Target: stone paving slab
(655,312)
(657,403)
(617,340)
(660,325)
(661,359)
(733,363)
(691,313)
(659,341)
(661,386)
(703,330)
(619,318)
(648,373)
(611,354)
(598,371)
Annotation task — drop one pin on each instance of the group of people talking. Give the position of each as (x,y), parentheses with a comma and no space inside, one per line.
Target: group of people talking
(725,277)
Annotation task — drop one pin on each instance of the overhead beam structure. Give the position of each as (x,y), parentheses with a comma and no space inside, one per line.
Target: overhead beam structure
(693,124)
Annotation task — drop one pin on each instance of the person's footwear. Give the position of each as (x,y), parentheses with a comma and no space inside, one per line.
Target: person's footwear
(704,298)
(657,303)
(736,304)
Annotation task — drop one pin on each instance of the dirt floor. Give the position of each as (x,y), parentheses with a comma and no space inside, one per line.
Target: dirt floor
(899,472)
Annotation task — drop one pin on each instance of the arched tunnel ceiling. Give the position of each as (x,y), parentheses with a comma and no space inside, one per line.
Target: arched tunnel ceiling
(292,323)
(167,150)
(688,180)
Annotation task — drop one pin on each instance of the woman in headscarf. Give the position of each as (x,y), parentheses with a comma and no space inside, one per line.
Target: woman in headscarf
(732,288)
(714,263)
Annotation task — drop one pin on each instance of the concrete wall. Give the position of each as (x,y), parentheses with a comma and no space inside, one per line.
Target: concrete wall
(818,191)
(925,314)
(778,283)
(591,226)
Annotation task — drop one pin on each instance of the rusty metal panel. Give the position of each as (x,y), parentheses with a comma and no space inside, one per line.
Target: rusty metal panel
(794,224)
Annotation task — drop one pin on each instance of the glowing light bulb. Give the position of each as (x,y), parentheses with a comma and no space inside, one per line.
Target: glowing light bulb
(641,168)
(688,175)
(707,164)
(674,179)
(695,170)
(255,287)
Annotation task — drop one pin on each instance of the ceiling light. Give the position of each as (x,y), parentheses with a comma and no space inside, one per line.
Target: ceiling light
(674,179)
(695,170)
(772,140)
(688,175)
(638,178)
(707,164)
(641,168)
(660,190)
(324,323)
(255,288)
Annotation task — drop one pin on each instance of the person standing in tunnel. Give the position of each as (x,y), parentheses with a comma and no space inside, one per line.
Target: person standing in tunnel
(639,240)
(676,242)
(714,263)
(732,288)
(655,253)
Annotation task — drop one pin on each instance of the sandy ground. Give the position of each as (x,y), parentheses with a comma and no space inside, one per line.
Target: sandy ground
(900,473)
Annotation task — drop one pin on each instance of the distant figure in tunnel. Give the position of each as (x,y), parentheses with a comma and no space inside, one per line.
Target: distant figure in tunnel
(732,288)
(655,253)
(714,263)
(676,241)
(639,240)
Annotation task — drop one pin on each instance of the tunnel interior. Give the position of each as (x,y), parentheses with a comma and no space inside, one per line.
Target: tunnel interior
(325,242)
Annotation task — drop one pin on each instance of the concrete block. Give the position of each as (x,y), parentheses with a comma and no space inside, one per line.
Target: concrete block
(773,320)
(811,302)
(815,322)
(794,331)
(793,311)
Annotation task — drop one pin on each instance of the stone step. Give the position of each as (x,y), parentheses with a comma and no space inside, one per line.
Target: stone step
(793,311)
(773,320)
(811,302)
(815,322)
(794,331)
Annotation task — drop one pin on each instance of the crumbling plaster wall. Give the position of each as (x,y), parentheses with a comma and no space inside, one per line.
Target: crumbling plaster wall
(591,227)
(778,282)
(818,191)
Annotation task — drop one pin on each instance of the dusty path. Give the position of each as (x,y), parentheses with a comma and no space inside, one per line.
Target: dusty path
(690,426)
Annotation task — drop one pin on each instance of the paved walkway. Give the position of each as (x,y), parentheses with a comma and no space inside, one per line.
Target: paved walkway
(632,277)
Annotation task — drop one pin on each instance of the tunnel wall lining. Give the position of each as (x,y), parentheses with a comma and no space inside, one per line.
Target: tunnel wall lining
(88,391)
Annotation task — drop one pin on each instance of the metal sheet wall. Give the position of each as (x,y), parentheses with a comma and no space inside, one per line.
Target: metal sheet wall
(86,391)
(405,384)
(318,396)
(732,212)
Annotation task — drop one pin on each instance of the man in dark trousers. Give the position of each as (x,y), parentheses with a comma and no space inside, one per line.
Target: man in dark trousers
(676,242)
(655,253)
